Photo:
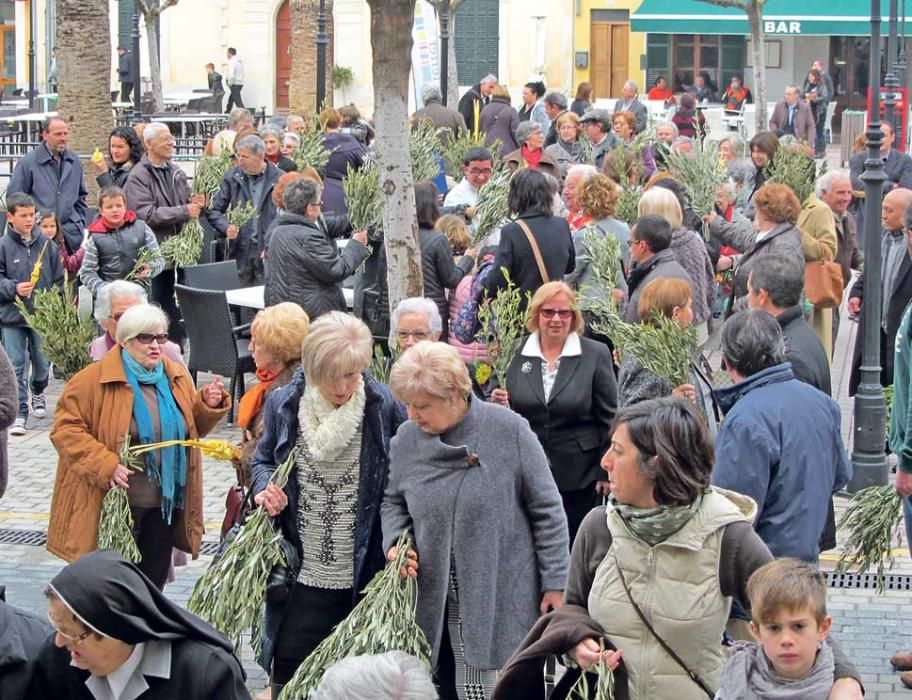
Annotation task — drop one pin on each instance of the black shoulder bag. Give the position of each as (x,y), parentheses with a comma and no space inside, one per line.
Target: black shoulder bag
(671,652)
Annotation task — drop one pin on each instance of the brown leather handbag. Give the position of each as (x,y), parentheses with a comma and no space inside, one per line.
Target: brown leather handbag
(823,283)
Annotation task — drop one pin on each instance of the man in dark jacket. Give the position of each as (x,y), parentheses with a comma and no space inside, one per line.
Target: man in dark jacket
(479,94)
(23,250)
(52,176)
(896,286)
(555,105)
(21,638)
(157,190)
(650,249)
(125,73)
(304,265)
(250,181)
(596,124)
(834,189)
(449,122)
(780,442)
(774,285)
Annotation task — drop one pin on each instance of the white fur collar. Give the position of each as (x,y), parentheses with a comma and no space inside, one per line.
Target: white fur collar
(328,429)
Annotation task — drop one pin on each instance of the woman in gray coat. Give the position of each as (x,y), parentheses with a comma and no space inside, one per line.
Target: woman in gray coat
(499,120)
(471,484)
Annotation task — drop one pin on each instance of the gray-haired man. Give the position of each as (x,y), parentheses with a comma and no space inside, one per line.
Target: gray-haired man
(448,121)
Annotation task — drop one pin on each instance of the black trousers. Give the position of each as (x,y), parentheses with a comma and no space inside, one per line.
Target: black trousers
(577,505)
(126,92)
(310,615)
(162,293)
(234,97)
(155,538)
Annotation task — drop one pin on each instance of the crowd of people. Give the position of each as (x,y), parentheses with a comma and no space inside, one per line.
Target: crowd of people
(585,508)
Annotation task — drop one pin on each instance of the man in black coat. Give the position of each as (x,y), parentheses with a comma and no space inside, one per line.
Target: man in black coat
(251,180)
(897,168)
(480,94)
(125,73)
(21,638)
(650,249)
(896,278)
(775,284)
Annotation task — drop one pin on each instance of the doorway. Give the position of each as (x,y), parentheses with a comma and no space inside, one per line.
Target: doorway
(283,54)
(610,42)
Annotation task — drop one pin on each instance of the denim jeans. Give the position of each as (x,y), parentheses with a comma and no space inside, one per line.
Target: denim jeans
(23,344)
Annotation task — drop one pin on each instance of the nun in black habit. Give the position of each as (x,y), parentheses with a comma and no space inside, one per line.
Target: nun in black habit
(119,638)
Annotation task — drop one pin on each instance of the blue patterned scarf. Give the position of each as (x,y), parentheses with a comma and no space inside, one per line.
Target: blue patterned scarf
(171,478)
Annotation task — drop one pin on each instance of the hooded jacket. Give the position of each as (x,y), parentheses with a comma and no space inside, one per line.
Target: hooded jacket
(781,444)
(17,260)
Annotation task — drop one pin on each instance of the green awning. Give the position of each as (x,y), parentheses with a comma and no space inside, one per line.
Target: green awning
(780,17)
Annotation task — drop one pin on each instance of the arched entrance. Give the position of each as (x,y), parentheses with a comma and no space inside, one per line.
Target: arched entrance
(283,54)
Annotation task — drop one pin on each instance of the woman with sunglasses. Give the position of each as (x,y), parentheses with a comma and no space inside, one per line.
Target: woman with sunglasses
(133,390)
(564,385)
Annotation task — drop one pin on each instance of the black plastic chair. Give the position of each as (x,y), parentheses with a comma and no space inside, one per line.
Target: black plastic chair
(214,347)
(220,276)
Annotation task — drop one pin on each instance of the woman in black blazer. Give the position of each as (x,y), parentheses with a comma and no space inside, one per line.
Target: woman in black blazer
(531,199)
(563,384)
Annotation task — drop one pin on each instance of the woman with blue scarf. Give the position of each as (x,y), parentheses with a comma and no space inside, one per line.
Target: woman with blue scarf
(133,389)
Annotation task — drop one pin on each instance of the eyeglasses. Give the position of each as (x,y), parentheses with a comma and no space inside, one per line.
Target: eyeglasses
(147,338)
(116,317)
(78,639)
(417,335)
(481,171)
(562,314)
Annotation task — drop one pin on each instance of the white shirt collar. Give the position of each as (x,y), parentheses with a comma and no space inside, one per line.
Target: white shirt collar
(127,682)
(572,347)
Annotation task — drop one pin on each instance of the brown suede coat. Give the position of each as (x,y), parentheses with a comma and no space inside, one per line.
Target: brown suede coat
(93,415)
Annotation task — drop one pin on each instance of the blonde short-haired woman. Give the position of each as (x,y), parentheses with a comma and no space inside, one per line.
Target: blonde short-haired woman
(470,482)
(340,421)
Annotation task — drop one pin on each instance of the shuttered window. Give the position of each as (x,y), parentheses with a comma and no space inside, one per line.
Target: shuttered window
(679,57)
(125,23)
(477,35)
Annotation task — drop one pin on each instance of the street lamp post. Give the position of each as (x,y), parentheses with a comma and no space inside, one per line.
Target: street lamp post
(137,84)
(31,56)
(868,458)
(322,41)
(444,49)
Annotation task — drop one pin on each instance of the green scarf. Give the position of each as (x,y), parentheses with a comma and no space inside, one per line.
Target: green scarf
(654,525)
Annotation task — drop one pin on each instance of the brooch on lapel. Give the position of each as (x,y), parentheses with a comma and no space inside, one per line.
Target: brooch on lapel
(526,367)
(472,459)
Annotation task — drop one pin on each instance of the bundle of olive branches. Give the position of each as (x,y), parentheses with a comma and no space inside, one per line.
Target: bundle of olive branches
(627,207)
(381,364)
(629,175)
(383,621)
(230,594)
(240,214)
(184,248)
(792,167)
(873,521)
(65,336)
(145,257)
(603,253)
(661,345)
(586,152)
(115,526)
(361,189)
(458,146)
(701,174)
(492,210)
(502,326)
(312,149)
(424,149)
(604,685)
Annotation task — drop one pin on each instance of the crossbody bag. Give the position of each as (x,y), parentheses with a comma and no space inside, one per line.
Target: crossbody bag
(535,251)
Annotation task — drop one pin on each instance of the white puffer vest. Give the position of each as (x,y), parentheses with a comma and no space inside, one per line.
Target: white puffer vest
(676,585)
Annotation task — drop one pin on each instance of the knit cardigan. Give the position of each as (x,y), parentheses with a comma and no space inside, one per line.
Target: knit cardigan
(484,492)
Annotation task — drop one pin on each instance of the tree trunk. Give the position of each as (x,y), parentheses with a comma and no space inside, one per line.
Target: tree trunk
(302,84)
(151,20)
(391,41)
(84,89)
(758,56)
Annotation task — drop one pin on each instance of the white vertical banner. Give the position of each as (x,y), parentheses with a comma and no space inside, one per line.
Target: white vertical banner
(425,49)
